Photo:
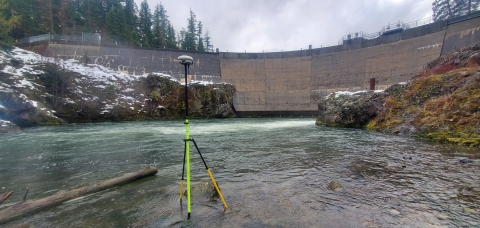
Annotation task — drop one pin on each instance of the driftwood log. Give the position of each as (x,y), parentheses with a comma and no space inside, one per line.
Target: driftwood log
(4,196)
(26,207)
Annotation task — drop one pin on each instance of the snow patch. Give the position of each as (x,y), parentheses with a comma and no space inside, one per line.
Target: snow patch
(339,93)
(201,82)
(34,103)
(4,123)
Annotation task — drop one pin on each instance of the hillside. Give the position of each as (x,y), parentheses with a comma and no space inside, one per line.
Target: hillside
(36,90)
(442,103)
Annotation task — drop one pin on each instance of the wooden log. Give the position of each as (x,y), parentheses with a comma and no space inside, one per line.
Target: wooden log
(34,205)
(4,196)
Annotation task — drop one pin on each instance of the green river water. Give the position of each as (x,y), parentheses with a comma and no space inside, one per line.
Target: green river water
(273,172)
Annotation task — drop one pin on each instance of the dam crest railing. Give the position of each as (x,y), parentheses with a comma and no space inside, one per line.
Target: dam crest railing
(387,29)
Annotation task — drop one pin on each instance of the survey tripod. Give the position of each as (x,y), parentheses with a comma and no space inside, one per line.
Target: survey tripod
(187,61)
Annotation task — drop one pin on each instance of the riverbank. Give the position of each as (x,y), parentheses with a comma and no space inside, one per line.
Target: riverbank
(442,103)
(36,90)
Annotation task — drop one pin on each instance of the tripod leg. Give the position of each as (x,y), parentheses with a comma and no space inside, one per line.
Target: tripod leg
(183,171)
(211,176)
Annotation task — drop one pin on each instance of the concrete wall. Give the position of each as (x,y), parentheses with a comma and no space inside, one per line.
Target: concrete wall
(139,61)
(288,83)
(272,83)
(388,63)
(461,34)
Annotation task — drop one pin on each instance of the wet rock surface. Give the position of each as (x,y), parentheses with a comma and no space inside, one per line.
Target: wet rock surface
(349,110)
(203,190)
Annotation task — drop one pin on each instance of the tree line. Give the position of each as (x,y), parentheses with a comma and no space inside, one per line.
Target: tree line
(117,20)
(446,9)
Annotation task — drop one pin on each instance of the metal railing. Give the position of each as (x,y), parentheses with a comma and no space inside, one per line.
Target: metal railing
(386,29)
(83,38)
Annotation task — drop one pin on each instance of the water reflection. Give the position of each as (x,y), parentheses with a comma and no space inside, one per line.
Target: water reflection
(273,172)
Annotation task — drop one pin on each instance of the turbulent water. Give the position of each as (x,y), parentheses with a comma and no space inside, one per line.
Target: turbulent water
(272,172)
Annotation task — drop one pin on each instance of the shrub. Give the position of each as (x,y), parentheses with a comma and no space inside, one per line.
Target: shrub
(154,96)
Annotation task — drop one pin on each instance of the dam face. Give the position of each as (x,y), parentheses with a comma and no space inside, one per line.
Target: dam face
(289,83)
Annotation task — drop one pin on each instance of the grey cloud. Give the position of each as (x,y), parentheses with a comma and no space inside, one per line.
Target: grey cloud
(266,25)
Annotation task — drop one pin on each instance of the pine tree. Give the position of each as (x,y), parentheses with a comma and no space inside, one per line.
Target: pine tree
(200,46)
(145,25)
(208,42)
(116,21)
(157,31)
(28,23)
(171,40)
(6,25)
(446,9)
(131,21)
(45,21)
(189,41)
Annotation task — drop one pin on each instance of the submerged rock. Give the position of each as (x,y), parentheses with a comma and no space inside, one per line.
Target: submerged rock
(334,186)
(465,161)
(203,190)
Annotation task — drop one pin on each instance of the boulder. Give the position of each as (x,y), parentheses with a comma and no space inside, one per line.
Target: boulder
(17,108)
(8,127)
(350,109)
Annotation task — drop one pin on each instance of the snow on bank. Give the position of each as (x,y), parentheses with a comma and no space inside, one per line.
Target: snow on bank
(339,93)
(4,123)
(21,75)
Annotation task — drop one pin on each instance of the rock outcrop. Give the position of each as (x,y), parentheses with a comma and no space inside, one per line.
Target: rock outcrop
(35,90)
(349,109)
(442,103)
(8,127)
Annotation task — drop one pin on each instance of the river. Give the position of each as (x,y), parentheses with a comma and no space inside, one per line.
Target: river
(273,172)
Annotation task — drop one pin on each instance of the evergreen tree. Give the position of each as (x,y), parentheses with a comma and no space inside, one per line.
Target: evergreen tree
(28,25)
(6,24)
(119,20)
(171,40)
(189,40)
(446,9)
(159,37)
(208,42)
(45,19)
(131,21)
(200,46)
(145,25)
(116,21)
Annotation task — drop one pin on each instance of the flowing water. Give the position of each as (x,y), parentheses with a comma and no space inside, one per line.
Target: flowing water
(272,173)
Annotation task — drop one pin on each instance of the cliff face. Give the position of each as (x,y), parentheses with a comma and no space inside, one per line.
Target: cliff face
(35,90)
(442,103)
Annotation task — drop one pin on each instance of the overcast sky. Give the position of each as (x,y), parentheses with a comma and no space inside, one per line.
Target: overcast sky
(276,25)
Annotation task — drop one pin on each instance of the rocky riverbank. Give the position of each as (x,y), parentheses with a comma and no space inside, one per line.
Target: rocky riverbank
(35,90)
(442,103)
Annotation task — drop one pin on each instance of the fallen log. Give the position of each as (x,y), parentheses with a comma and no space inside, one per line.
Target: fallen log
(4,196)
(33,205)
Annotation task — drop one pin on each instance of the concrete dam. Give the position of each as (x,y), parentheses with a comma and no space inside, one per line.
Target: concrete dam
(289,83)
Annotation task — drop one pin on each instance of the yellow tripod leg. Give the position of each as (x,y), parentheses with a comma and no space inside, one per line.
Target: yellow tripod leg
(218,190)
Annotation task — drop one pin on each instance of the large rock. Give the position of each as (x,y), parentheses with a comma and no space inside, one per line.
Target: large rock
(349,109)
(17,108)
(8,127)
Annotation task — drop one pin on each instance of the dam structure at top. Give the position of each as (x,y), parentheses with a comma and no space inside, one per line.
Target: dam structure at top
(290,83)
